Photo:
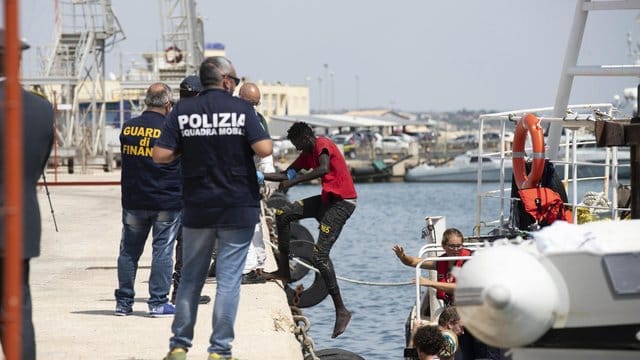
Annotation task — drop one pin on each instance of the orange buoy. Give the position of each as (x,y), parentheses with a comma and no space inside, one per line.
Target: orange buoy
(172,55)
(528,124)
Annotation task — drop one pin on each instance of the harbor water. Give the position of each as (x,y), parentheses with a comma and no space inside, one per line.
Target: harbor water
(387,213)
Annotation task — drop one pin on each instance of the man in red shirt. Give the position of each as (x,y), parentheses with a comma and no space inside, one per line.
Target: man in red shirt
(332,208)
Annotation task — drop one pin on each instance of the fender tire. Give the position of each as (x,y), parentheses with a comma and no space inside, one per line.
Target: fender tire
(335,354)
(301,246)
(315,293)
(278,200)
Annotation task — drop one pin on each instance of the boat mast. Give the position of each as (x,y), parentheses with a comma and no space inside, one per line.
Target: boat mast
(571,69)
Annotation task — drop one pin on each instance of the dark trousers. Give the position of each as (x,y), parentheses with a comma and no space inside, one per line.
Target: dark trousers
(28,333)
(177,267)
(471,348)
(331,216)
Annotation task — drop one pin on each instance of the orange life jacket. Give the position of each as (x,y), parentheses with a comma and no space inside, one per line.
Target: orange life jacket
(544,205)
(445,276)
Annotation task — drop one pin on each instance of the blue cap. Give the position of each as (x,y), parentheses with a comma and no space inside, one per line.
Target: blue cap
(191,83)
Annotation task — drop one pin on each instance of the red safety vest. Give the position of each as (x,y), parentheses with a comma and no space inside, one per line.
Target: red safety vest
(445,276)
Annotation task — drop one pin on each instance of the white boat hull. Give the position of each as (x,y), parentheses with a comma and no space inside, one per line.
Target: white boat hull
(457,172)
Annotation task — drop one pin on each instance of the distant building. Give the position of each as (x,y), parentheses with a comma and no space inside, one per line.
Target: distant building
(214,49)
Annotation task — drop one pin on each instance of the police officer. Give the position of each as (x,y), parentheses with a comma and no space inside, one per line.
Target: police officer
(252,273)
(216,135)
(151,198)
(189,86)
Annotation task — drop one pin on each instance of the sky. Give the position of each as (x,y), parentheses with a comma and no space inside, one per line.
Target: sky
(408,55)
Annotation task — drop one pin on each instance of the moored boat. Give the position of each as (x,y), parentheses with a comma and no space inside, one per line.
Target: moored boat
(463,168)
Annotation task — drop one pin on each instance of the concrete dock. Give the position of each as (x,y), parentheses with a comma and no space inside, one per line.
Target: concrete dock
(73,282)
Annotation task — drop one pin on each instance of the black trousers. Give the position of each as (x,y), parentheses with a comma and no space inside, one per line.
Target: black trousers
(470,348)
(331,217)
(28,333)
(177,267)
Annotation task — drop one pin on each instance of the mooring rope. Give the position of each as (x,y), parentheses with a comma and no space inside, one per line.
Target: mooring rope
(354,281)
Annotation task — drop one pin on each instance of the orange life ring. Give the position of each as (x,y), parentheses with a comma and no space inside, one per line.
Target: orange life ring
(172,55)
(528,124)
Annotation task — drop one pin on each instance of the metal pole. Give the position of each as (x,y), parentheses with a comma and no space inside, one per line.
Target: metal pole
(55,137)
(635,178)
(13,189)
(635,170)
(357,92)
(46,188)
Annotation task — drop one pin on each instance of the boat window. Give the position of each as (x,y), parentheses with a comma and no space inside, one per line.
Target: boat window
(474,159)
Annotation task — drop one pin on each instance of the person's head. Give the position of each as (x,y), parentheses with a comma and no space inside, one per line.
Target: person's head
(250,92)
(190,86)
(450,320)
(301,136)
(218,72)
(159,98)
(23,46)
(452,241)
(428,342)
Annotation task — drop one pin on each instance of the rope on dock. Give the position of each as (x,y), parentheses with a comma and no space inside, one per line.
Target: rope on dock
(354,281)
(272,233)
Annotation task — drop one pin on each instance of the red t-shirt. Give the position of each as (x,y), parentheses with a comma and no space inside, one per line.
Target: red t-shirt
(338,181)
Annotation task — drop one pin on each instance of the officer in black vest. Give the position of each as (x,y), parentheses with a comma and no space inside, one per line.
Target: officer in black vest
(151,199)
(189,87)
(216,135)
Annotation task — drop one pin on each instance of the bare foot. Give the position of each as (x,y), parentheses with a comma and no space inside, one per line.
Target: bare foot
(276,275)
(342,320)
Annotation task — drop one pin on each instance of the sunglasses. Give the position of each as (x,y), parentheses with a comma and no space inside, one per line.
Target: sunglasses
(235,79)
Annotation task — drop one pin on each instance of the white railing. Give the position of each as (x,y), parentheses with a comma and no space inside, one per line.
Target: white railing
(431,290)
(578,117)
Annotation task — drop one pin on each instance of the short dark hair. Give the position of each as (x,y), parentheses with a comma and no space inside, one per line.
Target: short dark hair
(449,314)
(213,69)
(298,130)
(428,340)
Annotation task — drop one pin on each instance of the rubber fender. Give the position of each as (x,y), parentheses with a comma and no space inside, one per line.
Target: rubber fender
(299,247)
(315,293)
(335,354)
(278,200)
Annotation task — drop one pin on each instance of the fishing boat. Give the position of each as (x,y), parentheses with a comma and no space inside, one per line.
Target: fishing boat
(567,289)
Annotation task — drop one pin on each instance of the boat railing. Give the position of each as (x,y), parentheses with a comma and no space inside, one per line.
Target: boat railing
(578,117)
(432,251)
(433,307)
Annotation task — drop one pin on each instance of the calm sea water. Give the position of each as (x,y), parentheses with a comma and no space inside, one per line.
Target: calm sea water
(387,213)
